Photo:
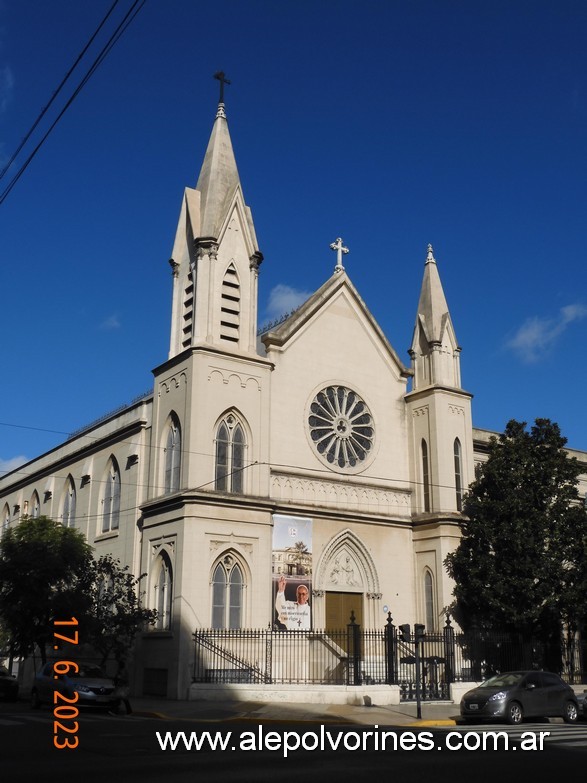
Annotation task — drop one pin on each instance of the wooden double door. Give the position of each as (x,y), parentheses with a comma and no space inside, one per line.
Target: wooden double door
(339,607)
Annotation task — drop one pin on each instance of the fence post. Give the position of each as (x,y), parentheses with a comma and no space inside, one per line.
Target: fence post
(390,650)
(354,645)
(268,653)
(449,651)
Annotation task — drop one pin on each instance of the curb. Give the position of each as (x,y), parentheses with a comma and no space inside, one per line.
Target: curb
(323,719)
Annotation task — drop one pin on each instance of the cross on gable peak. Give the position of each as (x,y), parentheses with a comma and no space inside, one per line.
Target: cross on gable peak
(340,249)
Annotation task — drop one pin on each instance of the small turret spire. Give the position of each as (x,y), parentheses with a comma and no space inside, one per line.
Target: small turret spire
(435,350)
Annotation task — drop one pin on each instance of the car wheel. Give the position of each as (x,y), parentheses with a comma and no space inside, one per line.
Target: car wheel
(570,712)
(35,701)
(515,714)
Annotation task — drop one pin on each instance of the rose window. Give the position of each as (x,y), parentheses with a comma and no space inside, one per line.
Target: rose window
(341,427)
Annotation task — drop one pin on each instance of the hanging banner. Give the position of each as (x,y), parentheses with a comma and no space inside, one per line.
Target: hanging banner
(292,573)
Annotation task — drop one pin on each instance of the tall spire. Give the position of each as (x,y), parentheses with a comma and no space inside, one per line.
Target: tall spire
(219,177)
(215,258)
(434,350)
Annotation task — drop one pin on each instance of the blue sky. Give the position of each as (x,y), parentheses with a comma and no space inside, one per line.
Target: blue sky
(392,124)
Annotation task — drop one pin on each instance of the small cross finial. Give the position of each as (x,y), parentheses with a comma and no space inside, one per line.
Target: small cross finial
(221,76)
(430,257)
(340,249)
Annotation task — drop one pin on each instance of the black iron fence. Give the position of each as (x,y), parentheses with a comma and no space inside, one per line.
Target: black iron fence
(358,656)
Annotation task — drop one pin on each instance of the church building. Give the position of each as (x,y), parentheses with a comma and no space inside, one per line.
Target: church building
(281,479)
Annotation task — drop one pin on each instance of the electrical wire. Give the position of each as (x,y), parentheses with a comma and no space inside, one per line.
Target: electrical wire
(188,452)
(57,91)
(122,27)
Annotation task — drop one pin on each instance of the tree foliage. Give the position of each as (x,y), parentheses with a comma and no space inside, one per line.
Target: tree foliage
(116,614)
(48,571)
(40,561)
(520,565)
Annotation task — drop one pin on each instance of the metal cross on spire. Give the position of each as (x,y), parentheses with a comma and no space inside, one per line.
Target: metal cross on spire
(340,249)
(221,76)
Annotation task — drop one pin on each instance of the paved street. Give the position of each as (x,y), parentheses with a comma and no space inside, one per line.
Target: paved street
(560,735)
(127,745)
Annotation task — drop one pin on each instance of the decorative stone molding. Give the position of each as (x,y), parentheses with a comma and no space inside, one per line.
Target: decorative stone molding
(229,542)
(163,544)
(255,261)
(218,374)
(423,411)
(173,382)
(318,593)
(358,574)
(340,495)
(457,410)
(374,596)
(343,571)
(206,246)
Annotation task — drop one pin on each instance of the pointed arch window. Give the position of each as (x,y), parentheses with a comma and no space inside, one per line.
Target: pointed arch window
(230,455)
(230,306)
(111,501)
(425,476)
(5,517)
(458,474)
(163,592)
(35,505)
(173,456)
(429,601)
(69,502)
(227,594)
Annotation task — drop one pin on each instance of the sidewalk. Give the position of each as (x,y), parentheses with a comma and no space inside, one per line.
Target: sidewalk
(433,713)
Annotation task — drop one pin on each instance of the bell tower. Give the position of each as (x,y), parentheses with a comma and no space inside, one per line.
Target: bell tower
(216,258)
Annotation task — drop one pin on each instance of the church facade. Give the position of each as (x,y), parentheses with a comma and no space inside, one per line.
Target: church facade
(291,477)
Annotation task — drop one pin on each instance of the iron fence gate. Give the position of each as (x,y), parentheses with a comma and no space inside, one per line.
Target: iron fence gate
(358,656)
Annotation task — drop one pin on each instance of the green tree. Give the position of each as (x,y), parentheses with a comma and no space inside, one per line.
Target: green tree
(40,561)
(520,565)
(115,615)
(300,556)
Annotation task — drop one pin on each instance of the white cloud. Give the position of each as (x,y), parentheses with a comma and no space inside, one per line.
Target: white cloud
(283,299)
(6,87)
(537,336)
(6,465)
(110,323)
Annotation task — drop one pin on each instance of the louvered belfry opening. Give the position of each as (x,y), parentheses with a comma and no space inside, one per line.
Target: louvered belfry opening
(188,314)
(230,306)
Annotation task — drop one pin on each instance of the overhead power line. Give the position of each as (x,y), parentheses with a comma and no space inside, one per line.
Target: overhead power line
(57,91)
(115,36)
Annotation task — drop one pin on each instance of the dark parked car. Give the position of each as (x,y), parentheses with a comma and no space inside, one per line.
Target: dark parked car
(90,683)
(8,685)
(513,696)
